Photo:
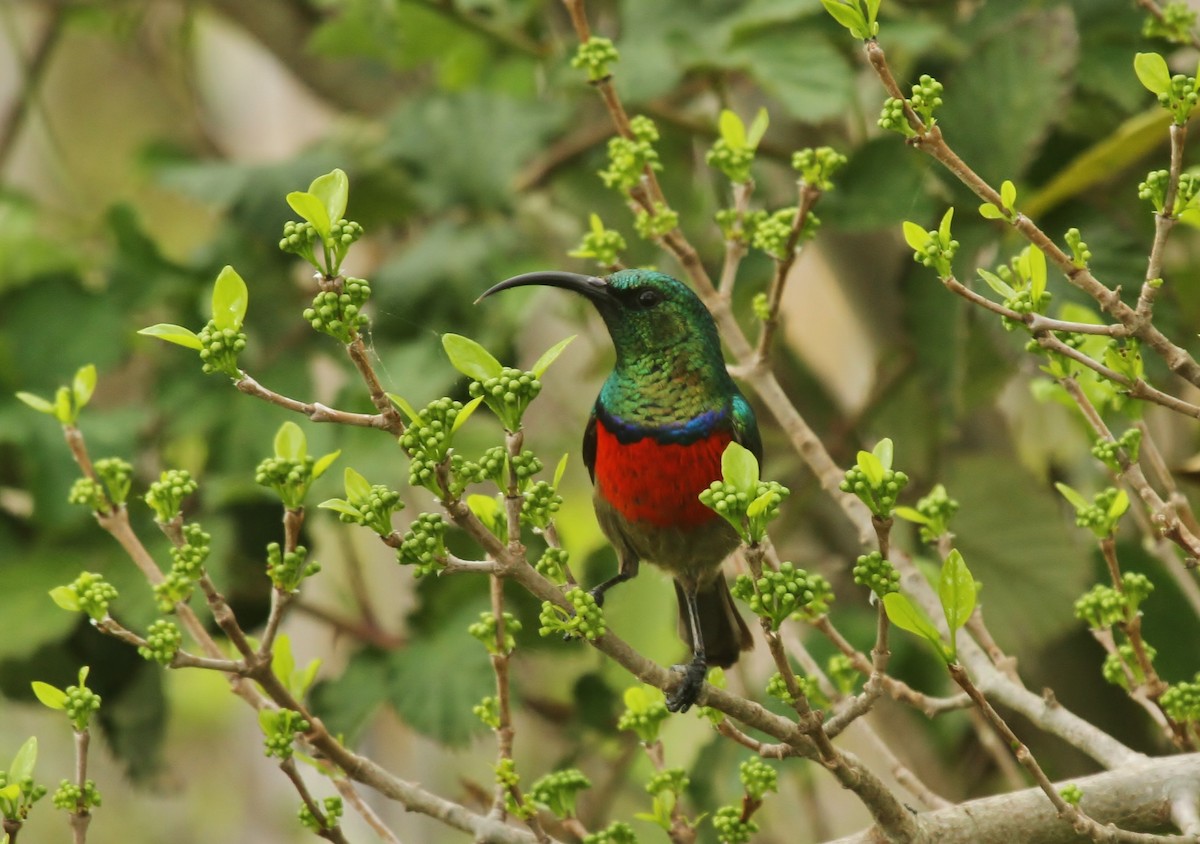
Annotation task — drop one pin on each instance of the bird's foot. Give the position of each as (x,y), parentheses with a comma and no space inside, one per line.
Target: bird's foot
(688,689)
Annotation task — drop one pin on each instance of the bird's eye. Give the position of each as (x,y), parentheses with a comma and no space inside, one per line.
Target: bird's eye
(649,298)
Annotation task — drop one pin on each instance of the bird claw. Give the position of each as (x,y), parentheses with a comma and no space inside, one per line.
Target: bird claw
(688,689)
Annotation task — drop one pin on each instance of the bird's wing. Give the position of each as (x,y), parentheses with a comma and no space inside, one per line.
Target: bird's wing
(589,446)
(745,428)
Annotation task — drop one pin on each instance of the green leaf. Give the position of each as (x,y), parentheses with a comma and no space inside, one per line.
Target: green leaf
(339,505)
(1119,505)
(465,413)
(872,467)
(906,615)
(305,678)
(333,190)
(358,488)
(758,128)
(485,507)
(324,463)
(944,226)
(990,212)
(23,762)
(759,505)
(883,450)
(799,67)
(1077,500)
(1190,217)
(1152,72)
(1028,555)
(848,16)
(11,792)
(84,385)
(1037,274)
(176,334)
(346,702)
(996,283)
(740,468)
(1008,194)
(50,696)
(290,442)
(910,514)
(639,699)
(882,185)
(38,403)
(404,406)
(916,236)
(62,406)
(312,209)
(1012,92)
(956,590)
(1131,141)
(595,223)
(1114,360)
(438,704)
(732,129)
(65,597)
(470,358)
(873,10)
(559,470)
(550,355)
(229,300)
(283,662)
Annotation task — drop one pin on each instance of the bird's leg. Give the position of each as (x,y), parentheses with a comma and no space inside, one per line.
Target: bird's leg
(688,690)
(628,570)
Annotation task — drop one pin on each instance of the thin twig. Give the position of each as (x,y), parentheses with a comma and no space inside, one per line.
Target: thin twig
(36,65)
(808,197)
(735,248)
(350,794)
(392,422)
(899,770)
(930,141)
(81,818)
(315,411)
(1164,221)
(1081,822)
(325,829)
(1005,662)
(1162,516)
(182,659)
(897,689)
(1043,330)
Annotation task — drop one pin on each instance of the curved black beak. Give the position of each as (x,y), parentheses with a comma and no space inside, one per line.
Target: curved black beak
(594,288)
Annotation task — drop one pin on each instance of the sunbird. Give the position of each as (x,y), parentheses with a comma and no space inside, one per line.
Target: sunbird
(654,442)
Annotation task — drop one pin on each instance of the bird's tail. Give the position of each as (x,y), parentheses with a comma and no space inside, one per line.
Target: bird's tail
(725,634)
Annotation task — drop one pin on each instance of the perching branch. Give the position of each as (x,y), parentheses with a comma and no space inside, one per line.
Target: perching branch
(315,411)
(1140,796)
(1080,821)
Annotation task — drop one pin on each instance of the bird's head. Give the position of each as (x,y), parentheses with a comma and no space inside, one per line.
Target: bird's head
(647,312)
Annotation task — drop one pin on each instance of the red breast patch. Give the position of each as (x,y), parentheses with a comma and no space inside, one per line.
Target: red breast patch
(649,481)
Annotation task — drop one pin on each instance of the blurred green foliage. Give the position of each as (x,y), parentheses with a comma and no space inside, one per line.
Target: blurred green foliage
(472,148)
